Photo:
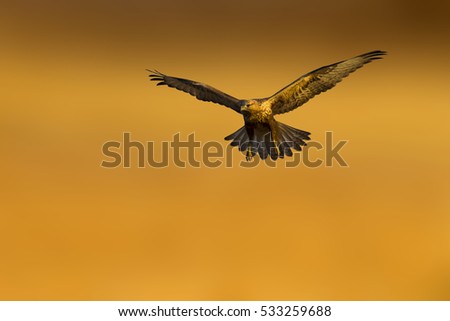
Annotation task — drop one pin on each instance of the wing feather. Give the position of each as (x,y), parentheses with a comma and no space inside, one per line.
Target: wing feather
(307,86)
(199,90)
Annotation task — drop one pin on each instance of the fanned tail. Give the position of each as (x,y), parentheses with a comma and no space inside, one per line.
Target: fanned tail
(264,143)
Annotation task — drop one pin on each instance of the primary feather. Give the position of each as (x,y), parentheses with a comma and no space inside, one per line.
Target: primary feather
(197,89)
(315,82)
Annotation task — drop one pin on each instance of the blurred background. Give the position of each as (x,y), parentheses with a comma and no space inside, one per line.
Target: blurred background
(73,77)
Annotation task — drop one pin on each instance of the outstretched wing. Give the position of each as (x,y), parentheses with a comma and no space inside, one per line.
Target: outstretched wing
(197,89)
(307,86)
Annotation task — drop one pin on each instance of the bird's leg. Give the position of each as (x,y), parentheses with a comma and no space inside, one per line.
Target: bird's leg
(250,153)
(251,135)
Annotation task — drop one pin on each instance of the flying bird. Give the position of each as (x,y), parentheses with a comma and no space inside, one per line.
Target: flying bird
(261,133)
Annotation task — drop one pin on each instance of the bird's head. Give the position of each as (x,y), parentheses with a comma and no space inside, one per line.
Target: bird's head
(248,106)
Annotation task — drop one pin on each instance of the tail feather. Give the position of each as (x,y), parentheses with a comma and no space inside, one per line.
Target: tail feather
(285,143)
(294,131)
(263,150)
(262,141)
(235,134)
(239,138)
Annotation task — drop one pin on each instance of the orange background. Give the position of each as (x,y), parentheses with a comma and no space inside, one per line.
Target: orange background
(73,78)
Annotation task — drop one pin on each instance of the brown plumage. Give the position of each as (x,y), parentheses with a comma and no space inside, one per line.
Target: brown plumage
(261,133)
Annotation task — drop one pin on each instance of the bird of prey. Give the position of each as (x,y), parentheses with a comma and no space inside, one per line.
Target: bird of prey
(261,133)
